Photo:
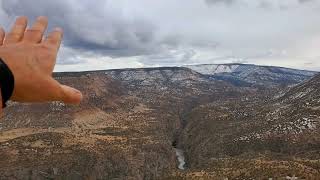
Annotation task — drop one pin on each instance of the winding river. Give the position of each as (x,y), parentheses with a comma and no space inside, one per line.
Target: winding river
(181,159)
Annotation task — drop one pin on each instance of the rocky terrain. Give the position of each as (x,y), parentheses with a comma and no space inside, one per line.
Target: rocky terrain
(133,123)
(258,139)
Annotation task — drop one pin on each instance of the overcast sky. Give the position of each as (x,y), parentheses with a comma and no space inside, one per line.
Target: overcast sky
(108,34)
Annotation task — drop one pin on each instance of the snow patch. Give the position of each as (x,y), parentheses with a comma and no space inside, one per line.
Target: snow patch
(57,106)
(211,69)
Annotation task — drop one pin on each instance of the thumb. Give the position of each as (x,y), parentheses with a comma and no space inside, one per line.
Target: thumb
(2,34)
(71,95)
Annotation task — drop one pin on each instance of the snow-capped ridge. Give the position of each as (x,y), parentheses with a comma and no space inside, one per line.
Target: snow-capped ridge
(249,74)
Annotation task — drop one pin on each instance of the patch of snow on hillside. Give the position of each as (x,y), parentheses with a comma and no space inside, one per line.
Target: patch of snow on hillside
(249,137)
(211,69)
(302,93)
(203,69)
(226,68)
(57,106)
(297,127)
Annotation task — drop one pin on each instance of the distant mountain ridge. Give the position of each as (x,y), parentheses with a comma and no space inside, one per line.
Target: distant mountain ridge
(242,75)
(251,75)
(211,69)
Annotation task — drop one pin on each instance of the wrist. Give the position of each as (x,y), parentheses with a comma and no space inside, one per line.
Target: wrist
(6,82)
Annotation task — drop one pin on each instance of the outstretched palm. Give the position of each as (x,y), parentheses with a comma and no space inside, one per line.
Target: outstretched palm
(32,58)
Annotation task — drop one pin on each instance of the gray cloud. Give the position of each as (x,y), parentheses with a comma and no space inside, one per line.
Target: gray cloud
(97,26)
(220,1)
(306,1)
(260,3)
(170,58)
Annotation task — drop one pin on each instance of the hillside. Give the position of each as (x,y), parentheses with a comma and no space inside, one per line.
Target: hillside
(257,139)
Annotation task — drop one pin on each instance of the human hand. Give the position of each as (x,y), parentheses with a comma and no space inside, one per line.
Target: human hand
(31,58)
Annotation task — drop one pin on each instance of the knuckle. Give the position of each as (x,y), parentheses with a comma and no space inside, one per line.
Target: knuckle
(47,49)
(34,31)
(57,34)
(33,34)
(43,23)
(19,28)
(2,32)
(21,21)
(14,35)
(52,41)
(22,18)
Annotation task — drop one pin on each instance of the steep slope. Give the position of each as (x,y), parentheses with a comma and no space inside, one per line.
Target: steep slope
(257,138)
(253,75)
(297,111)
(304,93)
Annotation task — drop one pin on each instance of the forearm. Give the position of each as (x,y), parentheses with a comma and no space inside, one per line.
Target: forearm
(0,105)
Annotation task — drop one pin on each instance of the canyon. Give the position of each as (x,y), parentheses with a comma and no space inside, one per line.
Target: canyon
(230,121)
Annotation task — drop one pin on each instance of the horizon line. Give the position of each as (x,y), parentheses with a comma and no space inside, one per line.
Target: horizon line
(185,66)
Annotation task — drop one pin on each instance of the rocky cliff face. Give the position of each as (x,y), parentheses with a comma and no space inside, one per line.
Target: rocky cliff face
(132,120)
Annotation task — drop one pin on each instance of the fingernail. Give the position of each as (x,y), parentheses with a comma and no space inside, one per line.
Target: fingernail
(72,96)
(78,92)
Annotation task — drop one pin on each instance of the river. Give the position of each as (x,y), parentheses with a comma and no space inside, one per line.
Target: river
(181,159)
